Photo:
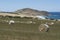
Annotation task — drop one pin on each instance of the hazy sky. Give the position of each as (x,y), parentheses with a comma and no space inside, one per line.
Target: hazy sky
(47,5)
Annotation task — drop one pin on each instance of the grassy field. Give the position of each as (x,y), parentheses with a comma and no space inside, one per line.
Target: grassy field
(24,31)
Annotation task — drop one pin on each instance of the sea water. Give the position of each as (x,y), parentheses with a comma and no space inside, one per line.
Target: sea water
(54,15)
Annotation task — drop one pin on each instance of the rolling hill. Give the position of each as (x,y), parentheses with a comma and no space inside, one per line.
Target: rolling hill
(33,12)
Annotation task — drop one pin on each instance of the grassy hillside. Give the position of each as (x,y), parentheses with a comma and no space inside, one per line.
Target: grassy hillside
(24,31)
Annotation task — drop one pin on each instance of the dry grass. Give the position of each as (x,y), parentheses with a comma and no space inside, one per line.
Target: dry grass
(23,31)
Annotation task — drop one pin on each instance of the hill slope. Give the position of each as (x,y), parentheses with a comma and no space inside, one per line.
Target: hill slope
(33,12)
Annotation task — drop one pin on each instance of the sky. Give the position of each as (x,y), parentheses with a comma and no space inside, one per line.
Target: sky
(42,5)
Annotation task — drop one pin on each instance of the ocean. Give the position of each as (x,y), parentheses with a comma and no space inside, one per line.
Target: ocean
(54,15)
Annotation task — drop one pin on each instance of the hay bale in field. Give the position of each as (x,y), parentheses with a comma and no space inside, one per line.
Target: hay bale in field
(11,22)
(44,27)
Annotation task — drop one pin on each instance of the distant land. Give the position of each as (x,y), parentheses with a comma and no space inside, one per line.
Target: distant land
(28,12)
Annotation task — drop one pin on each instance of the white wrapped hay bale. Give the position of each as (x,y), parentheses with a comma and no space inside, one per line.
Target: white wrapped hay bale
(11,22)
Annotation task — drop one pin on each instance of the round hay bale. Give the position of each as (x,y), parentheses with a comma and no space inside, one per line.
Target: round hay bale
(42,27)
